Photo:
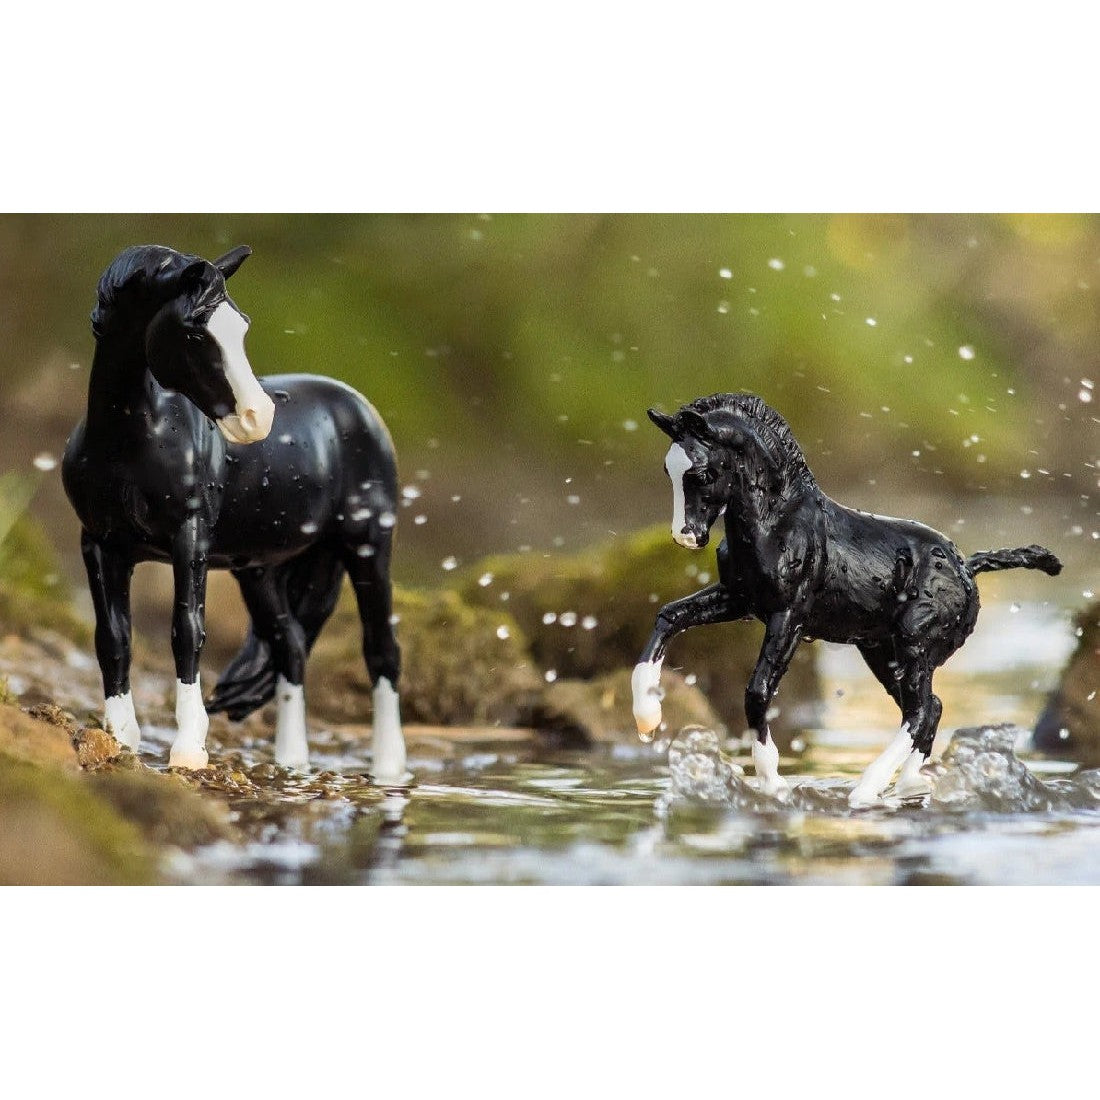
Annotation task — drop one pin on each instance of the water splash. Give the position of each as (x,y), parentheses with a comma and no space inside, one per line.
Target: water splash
(979,771)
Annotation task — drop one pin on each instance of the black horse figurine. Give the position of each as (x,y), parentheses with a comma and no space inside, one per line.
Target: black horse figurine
(807,568)
(152,478)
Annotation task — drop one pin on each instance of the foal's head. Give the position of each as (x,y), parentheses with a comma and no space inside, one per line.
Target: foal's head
(719,442)
(177,309)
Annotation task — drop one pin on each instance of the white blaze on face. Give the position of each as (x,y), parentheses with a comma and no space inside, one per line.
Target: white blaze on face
(677,464)
(255,410)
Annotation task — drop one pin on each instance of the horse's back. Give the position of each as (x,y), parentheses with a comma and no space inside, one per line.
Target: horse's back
(887,576)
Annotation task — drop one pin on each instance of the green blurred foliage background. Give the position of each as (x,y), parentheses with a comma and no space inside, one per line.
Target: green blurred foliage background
(514,356)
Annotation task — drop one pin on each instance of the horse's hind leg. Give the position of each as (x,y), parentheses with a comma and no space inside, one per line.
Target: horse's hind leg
(920,711)
(882,662)
(264,592)
(368,567)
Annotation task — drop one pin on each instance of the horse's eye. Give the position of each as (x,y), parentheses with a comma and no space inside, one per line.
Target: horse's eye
(706,476)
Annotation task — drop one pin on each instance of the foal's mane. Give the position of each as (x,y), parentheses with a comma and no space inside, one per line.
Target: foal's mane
(143,278)
(769,427)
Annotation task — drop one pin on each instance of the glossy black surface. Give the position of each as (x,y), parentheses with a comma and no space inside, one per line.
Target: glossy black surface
(808,567)
(152,478)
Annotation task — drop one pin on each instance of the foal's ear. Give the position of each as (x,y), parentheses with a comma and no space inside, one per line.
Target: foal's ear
(694,423)
(666,423)
(233,259)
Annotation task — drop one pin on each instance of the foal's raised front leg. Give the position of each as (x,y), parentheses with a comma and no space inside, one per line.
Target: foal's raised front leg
(109,573)
(783,632)
(189,567)
(712,604)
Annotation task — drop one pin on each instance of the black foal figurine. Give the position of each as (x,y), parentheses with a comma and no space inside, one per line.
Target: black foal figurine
(807,568)
(177,461)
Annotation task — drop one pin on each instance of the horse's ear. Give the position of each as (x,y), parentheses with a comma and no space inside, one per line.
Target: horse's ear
(693,423)
(666,423)
(192,276)
(233,259)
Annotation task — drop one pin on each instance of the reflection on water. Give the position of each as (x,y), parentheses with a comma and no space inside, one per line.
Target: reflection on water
(507,812)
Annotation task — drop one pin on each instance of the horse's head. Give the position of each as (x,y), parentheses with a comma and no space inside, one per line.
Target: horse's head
(700,466)
(192,332)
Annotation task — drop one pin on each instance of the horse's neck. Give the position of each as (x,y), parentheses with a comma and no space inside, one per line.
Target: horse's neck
(767,490)
(121,392)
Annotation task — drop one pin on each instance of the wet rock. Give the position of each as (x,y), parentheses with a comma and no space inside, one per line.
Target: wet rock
(591,613)
(587,711)
(95,747)
(461,664)
(1070,722)
(55,831)
(27,737)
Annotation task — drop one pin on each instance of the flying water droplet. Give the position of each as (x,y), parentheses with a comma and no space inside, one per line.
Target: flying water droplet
(449,563)
(45,462)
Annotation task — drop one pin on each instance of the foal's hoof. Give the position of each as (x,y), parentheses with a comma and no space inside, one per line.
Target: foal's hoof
(912,786)
(297,759)
(775,788)
(189,757)
(863,798)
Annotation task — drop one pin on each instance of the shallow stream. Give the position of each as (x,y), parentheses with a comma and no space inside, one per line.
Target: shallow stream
(503,807)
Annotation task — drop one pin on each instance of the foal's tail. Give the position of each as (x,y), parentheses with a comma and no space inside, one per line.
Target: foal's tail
(1027,557)
(313,582)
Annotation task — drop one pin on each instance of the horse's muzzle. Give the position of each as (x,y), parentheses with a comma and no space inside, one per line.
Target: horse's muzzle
(252,424)
(688,539)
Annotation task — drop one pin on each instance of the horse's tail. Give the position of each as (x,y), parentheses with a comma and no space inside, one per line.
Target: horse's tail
(1026,557)
(313,582)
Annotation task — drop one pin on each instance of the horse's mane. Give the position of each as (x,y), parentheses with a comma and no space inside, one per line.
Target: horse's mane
(769,426)
(144,277)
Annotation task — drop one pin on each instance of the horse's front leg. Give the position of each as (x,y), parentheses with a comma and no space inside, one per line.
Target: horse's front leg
(783,631)
(189,566)
(109,573)
(713,604)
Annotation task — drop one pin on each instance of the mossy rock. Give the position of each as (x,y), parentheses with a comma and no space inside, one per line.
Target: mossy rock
(599,710)
(609,597)
(1074,706)
(462,665)
(165,808)
(33,592)
(54,831)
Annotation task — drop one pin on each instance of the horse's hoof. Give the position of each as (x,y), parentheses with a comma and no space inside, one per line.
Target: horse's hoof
(776,788)
(863,798)
(189,757)
(645,688)
(293,758)
(129,737)
(915,786)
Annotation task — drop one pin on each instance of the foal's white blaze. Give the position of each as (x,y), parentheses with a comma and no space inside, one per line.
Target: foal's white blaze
(291,746)
(677,464)
(881,770)
(120,719)
(192,723)
(765,757)
(645,686)
(255,410)
(388,744)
